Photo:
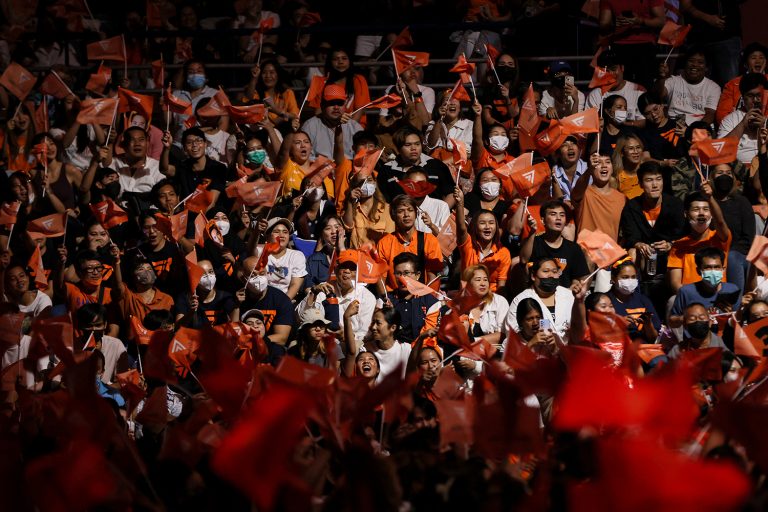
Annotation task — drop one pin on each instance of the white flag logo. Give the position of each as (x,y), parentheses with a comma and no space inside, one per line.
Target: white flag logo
(530,175)
(177,347)
(579,121)
(607,245)
(718,145)
(545,138)
(369,265)
(48,223)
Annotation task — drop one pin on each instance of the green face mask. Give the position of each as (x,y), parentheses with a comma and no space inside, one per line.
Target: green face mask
(256,157)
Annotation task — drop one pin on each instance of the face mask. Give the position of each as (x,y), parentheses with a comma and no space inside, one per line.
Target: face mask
(627,285)
(498,142)
(490,189)
(368,188)
(697,330)
(256,157)
(712,277)
(258,284)
(549,284)
(506,73)
(314,194)
(146,278)
(620,116)
(700,228)
(723,184)
(195,81)
(207,282)
(112,190)
(223,226)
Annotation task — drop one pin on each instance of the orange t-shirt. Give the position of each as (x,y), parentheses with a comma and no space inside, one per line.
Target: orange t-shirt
(629,185)
(341,183)
(393,244)
(598,211)
(683,252)
(652,215)
(498,261)
(131,304)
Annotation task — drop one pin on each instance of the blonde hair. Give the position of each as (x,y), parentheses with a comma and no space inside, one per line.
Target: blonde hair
(618,153)
(469,273)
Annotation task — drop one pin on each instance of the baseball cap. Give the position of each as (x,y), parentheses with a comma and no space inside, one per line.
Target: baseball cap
(559,65)
(311,317)
(334,92)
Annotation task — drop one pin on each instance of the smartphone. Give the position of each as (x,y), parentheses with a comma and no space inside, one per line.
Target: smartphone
(545,325)
(730,298)
(569,80)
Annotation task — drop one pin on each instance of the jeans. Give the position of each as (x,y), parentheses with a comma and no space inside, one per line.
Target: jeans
(736,272)
(724,59)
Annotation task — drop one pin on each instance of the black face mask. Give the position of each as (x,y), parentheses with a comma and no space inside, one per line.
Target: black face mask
(507,74)
(549,284)
(112,190)
(723,184)
(697,330)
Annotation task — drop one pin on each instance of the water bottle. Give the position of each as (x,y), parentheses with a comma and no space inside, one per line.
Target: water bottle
(331,307)
(650,263)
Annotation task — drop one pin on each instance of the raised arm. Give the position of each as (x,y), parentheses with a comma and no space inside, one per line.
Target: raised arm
(721,227)
(165,164)
(461,224)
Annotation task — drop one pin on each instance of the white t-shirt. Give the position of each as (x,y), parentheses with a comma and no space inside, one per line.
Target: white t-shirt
(220,146)
(548,101)
(630,92)
(438,211)
(427,95)
(747,143)
(690,100)
(36,307)
(112,348)
(361,321)
(81,160)
(389,360)
(281,271)
(461,130)
(142,180)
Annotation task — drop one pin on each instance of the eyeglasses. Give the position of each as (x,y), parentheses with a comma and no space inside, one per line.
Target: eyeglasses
(405,273)
(194,142)
(93,270)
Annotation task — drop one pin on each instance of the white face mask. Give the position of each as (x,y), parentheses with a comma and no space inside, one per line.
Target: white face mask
(627,285)
(368,188)
(258,284)
(223,226)
(498,142)
(314,194)
(700,228)
(207,282)
(620,116)
(490,189)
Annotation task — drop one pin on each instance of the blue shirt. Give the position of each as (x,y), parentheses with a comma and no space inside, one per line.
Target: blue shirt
(562,179)
(413,312)
(318,268)
(699,292)
(634,306)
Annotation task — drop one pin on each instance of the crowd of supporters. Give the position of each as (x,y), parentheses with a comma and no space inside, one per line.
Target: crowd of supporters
(316,282)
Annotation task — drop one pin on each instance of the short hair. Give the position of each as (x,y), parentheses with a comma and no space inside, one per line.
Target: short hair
(590,302)
(649,167)
(156,318)
(399,201)
(398,138)
(694,305)
(701,125)
(535,265)
(85,255)
(708,252)
(364,136)
(751,81)
(416,169)
(165,182)
(751,305)
(90,313)
(490,127)
(406,257)
(130,129)
(194,131)
(551,205)
(648,98)
(693,197)
(695,50)
(627,262)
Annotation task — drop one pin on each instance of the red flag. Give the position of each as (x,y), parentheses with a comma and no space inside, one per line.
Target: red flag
(315,91)
(54,86)
(134,102)
(756,334)
(462,66)
(673,34)
(453,331)
(527,181)
(247,114)
(97,111)
(141,335)
(51,225)
(8,213)
(40,116)
(190,122)
(407,59)
(266,250)
(603,79)
(456,420)
(758,253)
(416,189)
(17,81)
(154,20)
(364,162)
(309,18)
(609,331)
(200,200)
(158,73)
(99,80)
(217,106)
(447,236)
(200,222)
(175,104)
(717,151)
(173,227)
(194,271)
(387,101)
(417,288)
(253,193)
(108,213)
(107,49)
(182,349)
(459,93)
(37,269)
(529,115)
(299,372)
(705,363)
(491,55)
(266,437)
(581,122)
(548,141)
(403,39)
(601,248)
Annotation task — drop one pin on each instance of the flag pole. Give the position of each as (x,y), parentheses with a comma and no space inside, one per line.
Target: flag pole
(493,66)
(45,112)
(109,132)
(303,103)
(669,55)
(125,59)
(261,44)
(10,232)
(361,108)
(471,82)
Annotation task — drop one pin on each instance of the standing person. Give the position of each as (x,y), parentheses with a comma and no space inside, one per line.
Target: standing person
(716,26)
(745,122)
(691,93)
(632,26)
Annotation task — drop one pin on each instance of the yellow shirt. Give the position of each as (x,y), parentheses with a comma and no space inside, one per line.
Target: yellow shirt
(368,230)
(292,175)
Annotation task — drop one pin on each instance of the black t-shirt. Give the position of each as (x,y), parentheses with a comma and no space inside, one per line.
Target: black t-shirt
(472,203)
(661,142)
(275,305)
(214,175)
(170,277)
(569,254)
(209,313)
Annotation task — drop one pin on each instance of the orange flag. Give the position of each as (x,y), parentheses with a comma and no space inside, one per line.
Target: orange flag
(309,18)
(447,236)
(40,117)
(755,343)
(97,111)
(387,101)
(364,162)
(403,39)
(108,49)
(315,91)
(54,86)
(548,141)
(581,122)
(154,20)
(8,213)
(601,248)
(182,349)
(200,223)
(758,253)
(200,200)
(459,92)
(417,288)
(216,107)
(50,226)
(416,189)
(370,270)
(141,334)
(99,80)
(134,102)
(194,271)
(175,226)
(407,59)
(717,151)
(247,114)
(266,250)
(491,54)
(603,79)
(529,115)
(158,73)
(459,152)
(462,66)
(673,34)
(320,169)
(521,163)
(37,269)
(527,181)
(108,213)
(17,81)
(253,193)
(175,104)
